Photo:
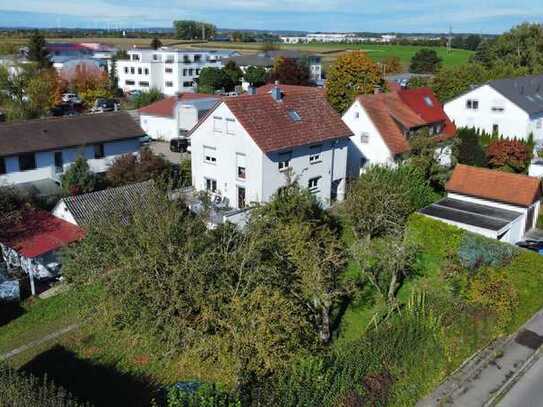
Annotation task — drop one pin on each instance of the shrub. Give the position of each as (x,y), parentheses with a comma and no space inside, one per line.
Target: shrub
(469,151)
(147,98)
(196,395)
(79,179)
(509,155)
(494,290)
(476,251)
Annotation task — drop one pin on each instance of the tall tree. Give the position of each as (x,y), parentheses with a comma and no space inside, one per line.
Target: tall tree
(78,179)
(193,30)
(255,75)
(289,72)
(156,43)
(469,150)
(37,50)
(234,72)
(425,60)
(509,156)
(214,79)
(451,81)
(351,75)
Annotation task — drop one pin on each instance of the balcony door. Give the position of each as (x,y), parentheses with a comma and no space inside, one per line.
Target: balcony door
(59,162)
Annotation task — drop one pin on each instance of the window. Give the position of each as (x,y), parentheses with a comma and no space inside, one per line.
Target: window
(155,57)
(169,59)
(139,71)
(185,72)
(495,130)
(241,197)
(27,162)
(356,115)
(145,84)
(210,155)
(365,138)
(129,83)
(98,151)
(284,161)
(197,72)
(59,162)
(497,109)
(230,126)
(125,69)
(169,70)
(169,84)
(241,164)
(313,184)
(472,104)
(211,185)
(2,166)
(294,116)
(135,57)
(315,154)
(146,71)
(132,70)
(217,124)
(187,84)
(197,58)
(186,59)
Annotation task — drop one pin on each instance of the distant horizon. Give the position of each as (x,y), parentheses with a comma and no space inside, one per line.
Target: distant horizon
(487,17)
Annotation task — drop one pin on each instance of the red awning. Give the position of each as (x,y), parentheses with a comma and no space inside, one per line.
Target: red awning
(38,232)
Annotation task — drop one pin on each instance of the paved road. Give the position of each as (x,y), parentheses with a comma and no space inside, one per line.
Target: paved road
(528,391)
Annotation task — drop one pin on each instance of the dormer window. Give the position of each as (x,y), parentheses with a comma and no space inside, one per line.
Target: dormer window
(294,116)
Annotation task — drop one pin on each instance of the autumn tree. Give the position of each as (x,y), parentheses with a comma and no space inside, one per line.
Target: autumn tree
(288,71)
(392,64)
(425,60)
(351,75)
(508,155)
(90,83)
(129,169)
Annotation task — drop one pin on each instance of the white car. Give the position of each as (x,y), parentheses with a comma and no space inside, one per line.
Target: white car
(71,98)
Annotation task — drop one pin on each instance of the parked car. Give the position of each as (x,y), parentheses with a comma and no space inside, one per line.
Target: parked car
(145,140)
(71,98)
(180,145)
(533,245)
(134,93)
(103,105)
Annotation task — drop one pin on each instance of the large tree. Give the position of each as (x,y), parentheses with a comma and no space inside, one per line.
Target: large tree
(193,30)
(289,71)
(451,81)
(234,72)
(37,50)
(509,155)
(351,75)
(425,61)
(255,75)
(214,79)
(129,169)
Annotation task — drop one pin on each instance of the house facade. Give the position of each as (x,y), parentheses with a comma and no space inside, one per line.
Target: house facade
(491,203)
(175,116)
(511,108)
(38,150)
(383,123)
(248,147)
(170,70)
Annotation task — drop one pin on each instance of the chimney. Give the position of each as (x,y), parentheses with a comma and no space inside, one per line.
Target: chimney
(251,90)
(277,94)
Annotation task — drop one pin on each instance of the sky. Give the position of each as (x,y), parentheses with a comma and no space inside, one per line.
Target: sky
(478,16)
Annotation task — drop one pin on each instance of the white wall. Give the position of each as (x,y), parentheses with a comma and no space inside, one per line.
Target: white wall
(159,128)
(263,176)
(61,211)
(512,122)
(375,151)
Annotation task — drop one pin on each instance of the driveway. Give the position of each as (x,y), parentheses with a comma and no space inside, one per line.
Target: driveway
(527,392)
(163,148)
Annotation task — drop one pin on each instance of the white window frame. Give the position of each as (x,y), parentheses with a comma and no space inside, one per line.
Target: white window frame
(217,124)
(230,126)
(168,84)
(498,109)
(210,185)
(210,158)
(315,154)
(364,137)
(470,104)
(313,184)
(284,161)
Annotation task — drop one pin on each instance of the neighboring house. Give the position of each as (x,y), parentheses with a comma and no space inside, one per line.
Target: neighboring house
(37,150)
(91,209)
(267,59)
(491,203)
(175,116)
(383,123)
(512,108)
(246,148)
(170,70)
(32,243)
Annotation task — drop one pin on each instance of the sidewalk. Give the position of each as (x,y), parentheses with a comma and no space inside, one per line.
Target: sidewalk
(488,375)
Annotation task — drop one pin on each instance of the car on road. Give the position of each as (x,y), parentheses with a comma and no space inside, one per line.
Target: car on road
(533,245)
(71,98)
(180,145)
(104,105)
(145,140)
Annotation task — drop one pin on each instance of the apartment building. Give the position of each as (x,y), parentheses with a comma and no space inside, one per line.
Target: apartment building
(170,70)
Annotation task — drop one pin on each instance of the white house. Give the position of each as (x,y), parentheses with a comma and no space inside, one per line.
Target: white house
(382,124)
(494,204)
(512,108)
(175,116)
(169,70)
(38,150)
(247,147)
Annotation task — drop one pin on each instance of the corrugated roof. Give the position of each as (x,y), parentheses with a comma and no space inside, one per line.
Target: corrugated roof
(96,207)
(525,91)
(499,186)
(63,132)
(38,232)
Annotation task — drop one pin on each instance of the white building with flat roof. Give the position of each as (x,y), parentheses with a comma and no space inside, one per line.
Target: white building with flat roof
(170,70)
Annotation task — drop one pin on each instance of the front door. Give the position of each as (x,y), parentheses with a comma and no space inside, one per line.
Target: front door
(241,197)
(59,162)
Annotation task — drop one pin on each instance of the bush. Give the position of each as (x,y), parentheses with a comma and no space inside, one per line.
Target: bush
(147,98)
(509,155)
(476,251)
(469,151)
(79,179)
(494,290)
(196,395)
(18,390)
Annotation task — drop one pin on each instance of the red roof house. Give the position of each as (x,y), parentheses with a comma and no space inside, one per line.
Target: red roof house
(166,107)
